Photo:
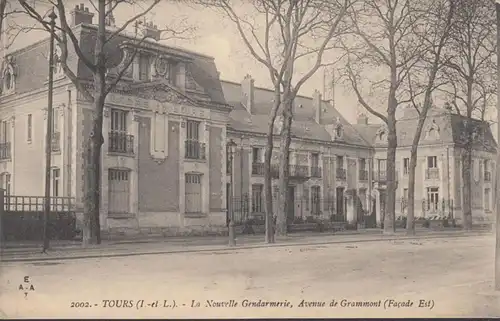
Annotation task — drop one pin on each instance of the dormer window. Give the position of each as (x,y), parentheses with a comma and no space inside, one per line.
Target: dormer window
(432,131)
(8,77)
(382,135)
(339,131)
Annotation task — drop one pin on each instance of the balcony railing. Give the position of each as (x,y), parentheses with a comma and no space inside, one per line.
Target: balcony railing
(294,171)
(4,150)
(381,176)
(258,169)
(195,150)
(298,171)
(363,175)
(121,143)
(341,174)
(487,176)
(432,173)
(316,171)
(55,144)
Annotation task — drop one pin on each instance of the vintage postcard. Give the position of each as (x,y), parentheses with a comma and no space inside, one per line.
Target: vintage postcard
(249,158)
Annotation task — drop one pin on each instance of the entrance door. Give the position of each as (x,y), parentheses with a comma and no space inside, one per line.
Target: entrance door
(290,204)
(340,201)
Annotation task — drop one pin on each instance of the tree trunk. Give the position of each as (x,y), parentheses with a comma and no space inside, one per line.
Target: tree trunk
(467,173)
(267,169)
(284,170)
(390,204)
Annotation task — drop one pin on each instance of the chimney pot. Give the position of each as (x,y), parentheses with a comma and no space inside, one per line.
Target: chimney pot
(362,119)
(86,9)
(80,15)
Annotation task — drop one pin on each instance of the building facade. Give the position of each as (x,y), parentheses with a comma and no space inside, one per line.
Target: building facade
(166,127)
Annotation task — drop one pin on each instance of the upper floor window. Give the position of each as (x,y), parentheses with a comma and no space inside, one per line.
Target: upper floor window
(193,130)
(486,165)
(432,162)
(5,182)
(406,166)
(118,120)
(4,132)
(257,155)
(315,160)
(340,162)
(144,68)
(362,164)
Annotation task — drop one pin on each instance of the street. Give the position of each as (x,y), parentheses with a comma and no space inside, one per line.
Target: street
(406,278)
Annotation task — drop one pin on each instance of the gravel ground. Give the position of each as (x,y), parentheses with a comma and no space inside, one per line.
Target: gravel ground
(427,278)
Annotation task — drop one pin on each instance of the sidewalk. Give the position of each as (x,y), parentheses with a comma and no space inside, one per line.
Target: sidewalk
(62,250)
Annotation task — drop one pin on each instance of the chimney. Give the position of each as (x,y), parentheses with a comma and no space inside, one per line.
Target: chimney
(316,101)
(362,119)
(110,19)
(151,30)
(247,93)
(81,15)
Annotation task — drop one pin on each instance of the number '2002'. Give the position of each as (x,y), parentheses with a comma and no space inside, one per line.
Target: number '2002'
(80,305)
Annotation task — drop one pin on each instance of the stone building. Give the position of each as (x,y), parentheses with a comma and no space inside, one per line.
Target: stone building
(166,125)
(438,181)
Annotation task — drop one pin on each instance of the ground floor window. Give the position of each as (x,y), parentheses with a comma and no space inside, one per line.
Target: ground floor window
(257,200)
(315,200)
(119,190)
(432,198)
(5,183)
(487,199)
(193,195)
(56,174)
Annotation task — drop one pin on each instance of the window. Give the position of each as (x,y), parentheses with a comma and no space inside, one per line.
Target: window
(487,199)
(315,200)
(405,193)
(306,198)
(8,80)
(340,162)
(362,164)
(30,128)
(315,160)
(486,165)
(119,191)
(56,173)
(55,121)
(406,166)
(290,157)
(194,148)
(5,182)
(144,68)
(431,161)
(118,120)
(257,201)
(193,193)
(432,198)
(256,155)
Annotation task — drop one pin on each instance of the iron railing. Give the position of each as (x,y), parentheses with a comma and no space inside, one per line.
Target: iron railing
(194,150)
(5,150)
(341,174)
(363,175)
(316,171)
(55,143)
(121,143)
(258,169)
(432,173)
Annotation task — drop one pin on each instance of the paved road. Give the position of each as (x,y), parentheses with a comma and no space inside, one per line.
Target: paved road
(452,277)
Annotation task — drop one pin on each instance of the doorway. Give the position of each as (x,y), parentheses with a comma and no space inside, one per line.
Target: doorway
(340,201)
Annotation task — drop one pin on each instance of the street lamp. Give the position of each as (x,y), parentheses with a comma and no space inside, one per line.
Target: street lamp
(231,145)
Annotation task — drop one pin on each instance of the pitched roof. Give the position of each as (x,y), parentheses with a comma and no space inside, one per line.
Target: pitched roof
(32,71)
(449,126)
(304,124)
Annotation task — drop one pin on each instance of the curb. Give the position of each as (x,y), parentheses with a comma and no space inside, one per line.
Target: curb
(243,247)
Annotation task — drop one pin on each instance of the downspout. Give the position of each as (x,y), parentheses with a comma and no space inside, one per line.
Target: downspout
(69,145)
(448,179)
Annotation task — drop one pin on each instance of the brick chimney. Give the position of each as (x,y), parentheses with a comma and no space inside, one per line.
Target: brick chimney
(151,30)
(247,93)
(362,119)
(318,109)
(81,14)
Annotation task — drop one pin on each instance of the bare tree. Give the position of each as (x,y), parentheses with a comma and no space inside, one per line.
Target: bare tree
(290,33)
(384,40)
(95,90)
(434,31)
(470,68)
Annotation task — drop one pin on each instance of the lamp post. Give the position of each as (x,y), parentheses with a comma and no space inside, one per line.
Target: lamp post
(48,138)
(497,188)
(231,146)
